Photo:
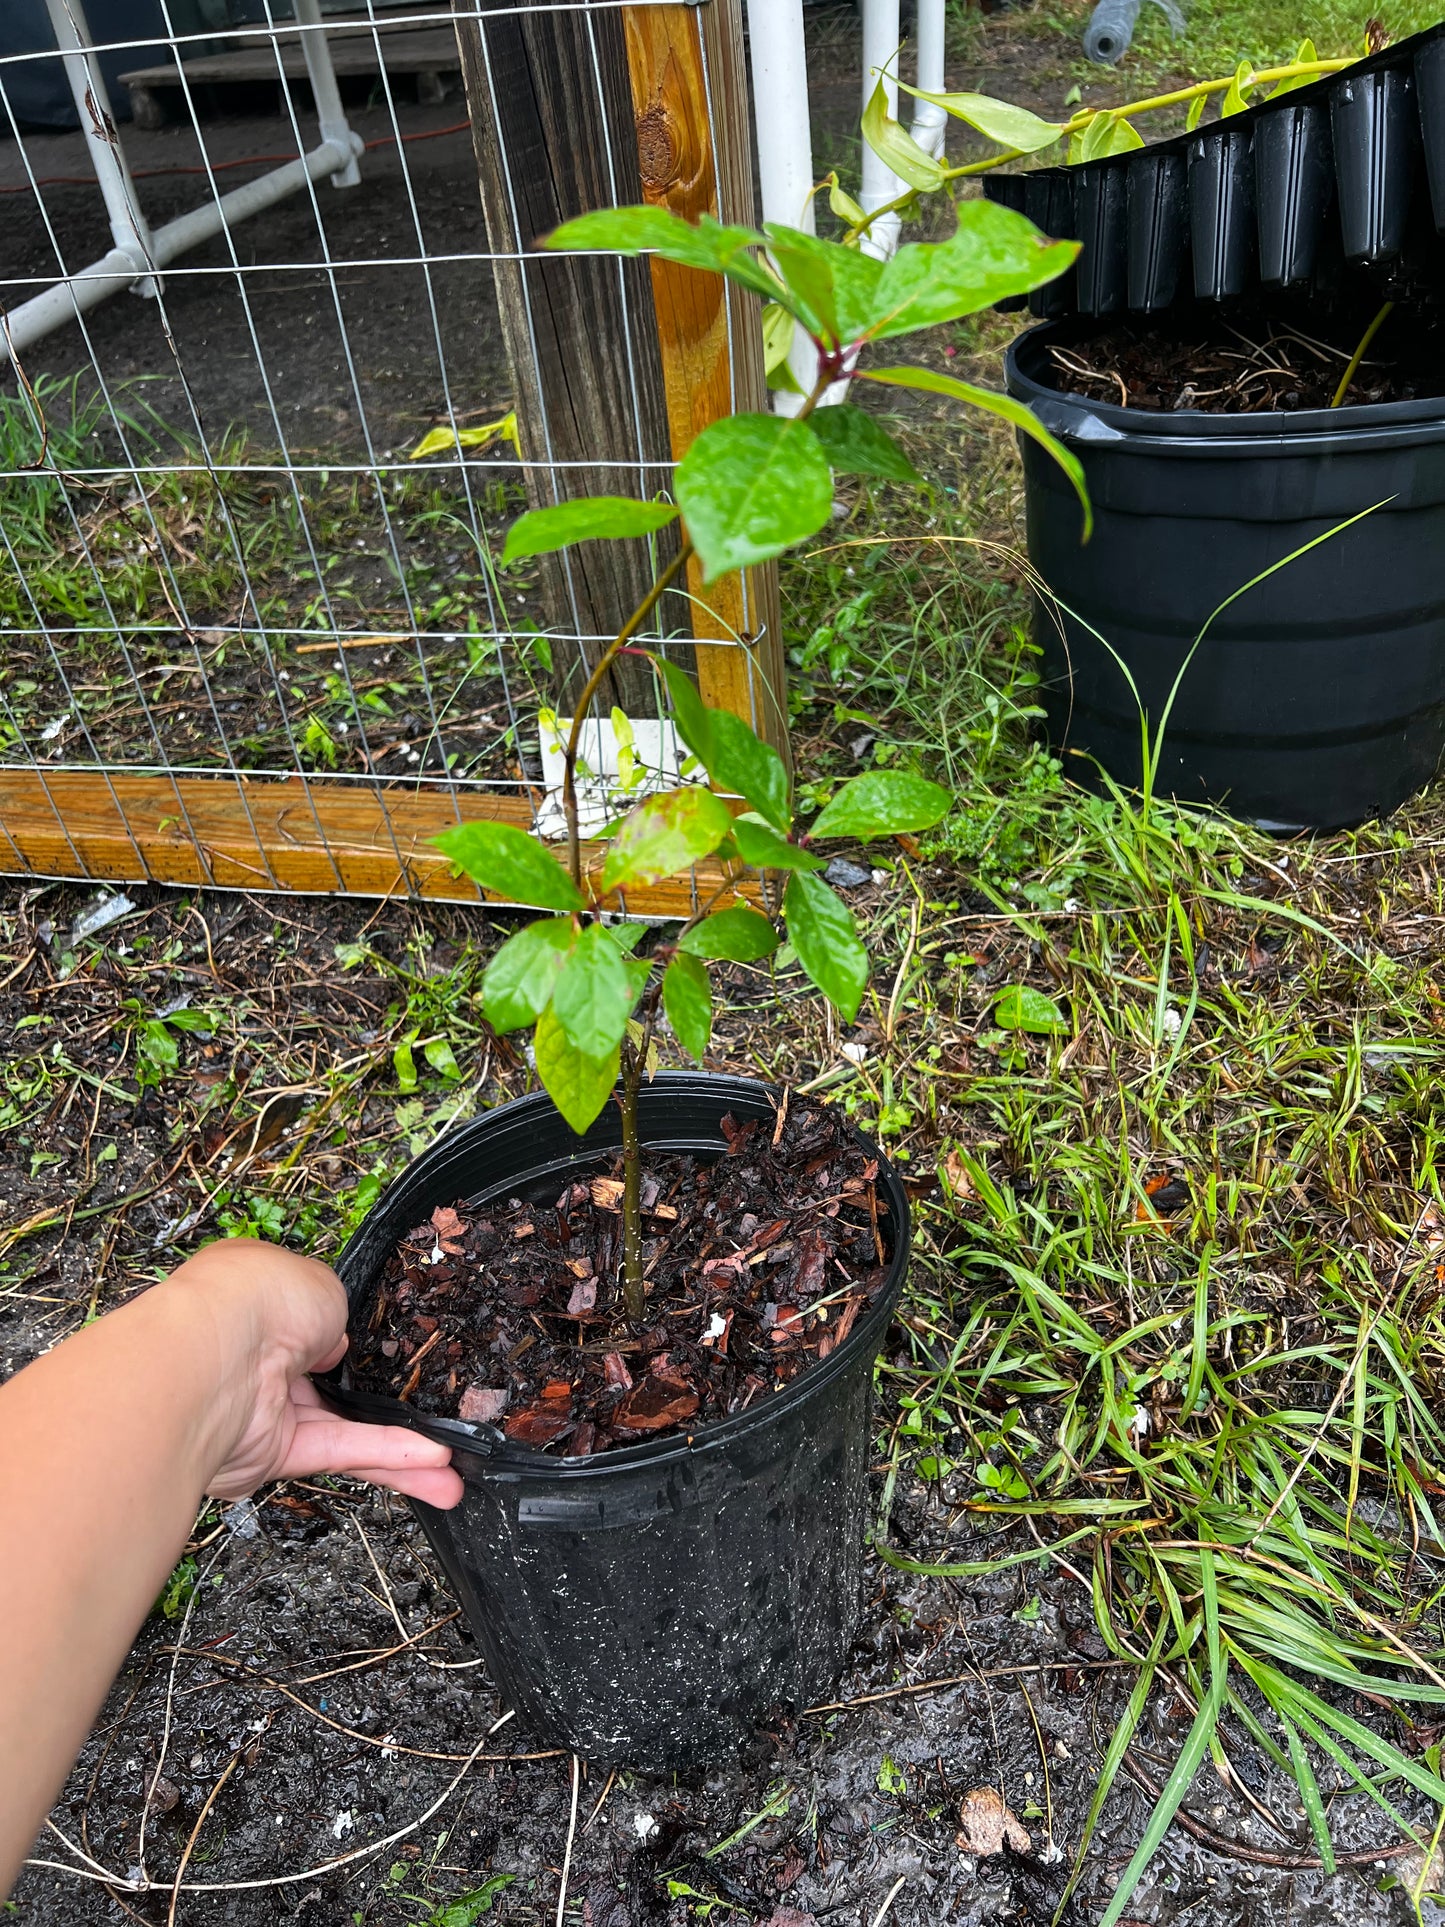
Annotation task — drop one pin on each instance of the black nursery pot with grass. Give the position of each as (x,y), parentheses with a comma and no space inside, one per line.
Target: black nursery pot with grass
(1317,698)
(651,1606)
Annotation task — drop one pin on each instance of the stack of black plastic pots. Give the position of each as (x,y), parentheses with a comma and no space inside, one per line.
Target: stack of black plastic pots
(1343,177)
(1262,589)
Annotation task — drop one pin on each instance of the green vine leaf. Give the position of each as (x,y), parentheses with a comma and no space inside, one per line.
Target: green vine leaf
(892,143)
(997,120)
(856,445)
(1237,99)
(835,282)
(883,802)
(825,936)
(665,834)
(517,984)
(1013,411)
(592,518)
(577,1084)
(750,487)
(843,204)
(687,1000)
(594,994)
(1304,56)
(735,935)
(705,244)
(1020,1008)
(761,846)
(1196,112)
(993,253)
(511,864)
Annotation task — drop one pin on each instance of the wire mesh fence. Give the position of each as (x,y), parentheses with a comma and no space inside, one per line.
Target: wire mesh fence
(275,375)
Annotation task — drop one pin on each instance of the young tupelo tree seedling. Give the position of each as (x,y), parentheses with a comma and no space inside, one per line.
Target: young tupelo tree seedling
(749,488)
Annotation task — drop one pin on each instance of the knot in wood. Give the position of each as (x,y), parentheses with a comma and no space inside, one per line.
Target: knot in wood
(657,148)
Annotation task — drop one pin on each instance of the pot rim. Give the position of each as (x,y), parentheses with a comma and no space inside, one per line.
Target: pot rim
(1304,431)
(489,1444)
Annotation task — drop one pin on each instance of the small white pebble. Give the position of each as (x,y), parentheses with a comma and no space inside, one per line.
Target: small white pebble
(716,1326)
(645,1825)
(879,876)
(1072,906)
(1172,1023)
(854,1052)
(343,1823)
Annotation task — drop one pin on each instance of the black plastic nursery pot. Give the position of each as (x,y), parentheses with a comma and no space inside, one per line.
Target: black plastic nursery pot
(1317,698)
(651,1606)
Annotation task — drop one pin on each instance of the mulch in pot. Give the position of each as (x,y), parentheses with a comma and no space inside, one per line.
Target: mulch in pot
(511,1314)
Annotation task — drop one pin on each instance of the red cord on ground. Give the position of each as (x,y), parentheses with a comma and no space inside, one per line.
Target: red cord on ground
(216,167)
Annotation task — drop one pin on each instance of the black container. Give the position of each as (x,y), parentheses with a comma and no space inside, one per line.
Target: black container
(1430,94)
(1049,204)
(647,1607)
(1008,191)
(1101,223)
(1375,134)
(1221,213)
(1317,698)
(1294,184)
(1158,227)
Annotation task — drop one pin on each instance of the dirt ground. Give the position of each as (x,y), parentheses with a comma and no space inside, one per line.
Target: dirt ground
(307,1673)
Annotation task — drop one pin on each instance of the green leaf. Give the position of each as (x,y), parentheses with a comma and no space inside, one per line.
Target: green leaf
(892,143)
(856,445)
(1310,1797)
(591,518)
(997,120)
(842,203)
(404,1063)
(779,327)
(468,1908)
(759,844)
(883,802)
(838,283)
(735,935)
(577,1084)
(1240,88)
(708,244)
(992,254)
(751,486)
(440,1055)
(517,984)
(741,763)
(1109,134)
(822,931)
(594,994)
(511,864)
(1013,411)
(665,834)
(687,999)
(1196,113)
(1019,1008)
(1305,56)
(690,713)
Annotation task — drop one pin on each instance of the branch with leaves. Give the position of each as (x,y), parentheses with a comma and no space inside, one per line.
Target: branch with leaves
(750,487)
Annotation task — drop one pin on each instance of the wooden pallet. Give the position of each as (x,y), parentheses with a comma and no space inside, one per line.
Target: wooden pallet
(426,53)
(284,834)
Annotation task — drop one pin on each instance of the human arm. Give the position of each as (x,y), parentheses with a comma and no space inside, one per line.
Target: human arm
(107,1446)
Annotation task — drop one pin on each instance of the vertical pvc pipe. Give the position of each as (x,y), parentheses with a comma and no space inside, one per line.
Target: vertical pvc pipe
(930,122)
(334,125)
(127,223)
(880,184)
(778,57)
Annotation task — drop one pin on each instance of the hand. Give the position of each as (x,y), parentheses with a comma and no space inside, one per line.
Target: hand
(275,1317)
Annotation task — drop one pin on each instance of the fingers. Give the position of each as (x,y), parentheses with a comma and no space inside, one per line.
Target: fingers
(439,1486)
(382,1454)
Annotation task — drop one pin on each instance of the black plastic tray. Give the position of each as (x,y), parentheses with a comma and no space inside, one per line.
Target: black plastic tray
(1340,179)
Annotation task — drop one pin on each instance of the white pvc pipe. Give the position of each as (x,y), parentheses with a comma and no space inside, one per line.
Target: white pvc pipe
(97,123)
(929,121)
(332,116)
(779,61)
(25,324)
(880,184)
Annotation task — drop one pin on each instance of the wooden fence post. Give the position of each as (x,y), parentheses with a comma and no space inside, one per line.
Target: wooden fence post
(690,90)
(576,109)
(552,128)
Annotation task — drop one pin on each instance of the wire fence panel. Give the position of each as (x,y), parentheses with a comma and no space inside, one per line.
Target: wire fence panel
(274,377)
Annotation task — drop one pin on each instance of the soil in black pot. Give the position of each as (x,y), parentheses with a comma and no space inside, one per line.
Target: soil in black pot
(1250,360)
(511,1314)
